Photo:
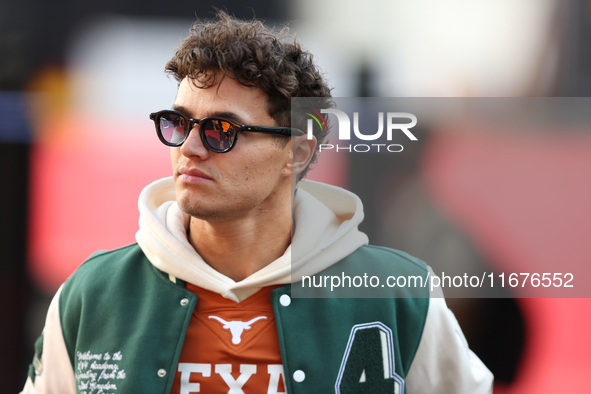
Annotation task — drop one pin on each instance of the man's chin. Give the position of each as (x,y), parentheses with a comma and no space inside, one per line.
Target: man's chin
(198,211)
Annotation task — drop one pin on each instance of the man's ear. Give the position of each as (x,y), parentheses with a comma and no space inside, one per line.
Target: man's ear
(302,150)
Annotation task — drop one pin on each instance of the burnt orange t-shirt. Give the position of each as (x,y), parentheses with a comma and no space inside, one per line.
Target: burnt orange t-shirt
(230,347)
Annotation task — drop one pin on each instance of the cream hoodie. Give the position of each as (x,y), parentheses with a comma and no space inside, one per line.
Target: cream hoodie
(322,237)
(326,231)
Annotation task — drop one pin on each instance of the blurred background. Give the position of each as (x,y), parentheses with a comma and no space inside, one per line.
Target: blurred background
(78,80)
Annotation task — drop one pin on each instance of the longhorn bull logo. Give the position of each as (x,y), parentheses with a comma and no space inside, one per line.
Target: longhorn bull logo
(237,327)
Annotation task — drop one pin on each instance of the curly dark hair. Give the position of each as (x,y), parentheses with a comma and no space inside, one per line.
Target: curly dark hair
(255,56)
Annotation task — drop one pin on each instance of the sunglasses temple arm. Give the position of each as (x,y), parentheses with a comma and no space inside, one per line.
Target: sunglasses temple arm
(287,132)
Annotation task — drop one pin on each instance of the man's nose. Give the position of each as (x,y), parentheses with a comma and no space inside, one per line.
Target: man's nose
(193,145)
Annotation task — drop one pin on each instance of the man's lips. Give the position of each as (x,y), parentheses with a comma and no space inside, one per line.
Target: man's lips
(193,175)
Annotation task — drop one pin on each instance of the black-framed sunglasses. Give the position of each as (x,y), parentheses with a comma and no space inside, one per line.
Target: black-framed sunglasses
(218,134)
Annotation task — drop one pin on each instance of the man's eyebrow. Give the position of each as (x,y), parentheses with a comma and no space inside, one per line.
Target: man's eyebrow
(180,108)
(224,114)
(230,115)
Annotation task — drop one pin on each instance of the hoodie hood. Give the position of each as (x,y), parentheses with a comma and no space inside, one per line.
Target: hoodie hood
(326,220)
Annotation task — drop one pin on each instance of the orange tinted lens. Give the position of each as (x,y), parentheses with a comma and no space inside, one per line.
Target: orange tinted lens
(219,134)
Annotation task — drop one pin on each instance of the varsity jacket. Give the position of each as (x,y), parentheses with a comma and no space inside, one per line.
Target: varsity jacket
(118,323)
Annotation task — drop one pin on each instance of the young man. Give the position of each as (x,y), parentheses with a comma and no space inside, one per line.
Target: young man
(202,302)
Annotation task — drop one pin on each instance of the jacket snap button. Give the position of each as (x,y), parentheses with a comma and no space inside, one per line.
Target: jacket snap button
(184,302)
(285,300)
(162,372)
(299,376)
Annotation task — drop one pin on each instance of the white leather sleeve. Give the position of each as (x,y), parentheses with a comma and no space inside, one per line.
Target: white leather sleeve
(444,364)
(55,374)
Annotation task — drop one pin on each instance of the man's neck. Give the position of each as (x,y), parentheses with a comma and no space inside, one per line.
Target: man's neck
(239,248)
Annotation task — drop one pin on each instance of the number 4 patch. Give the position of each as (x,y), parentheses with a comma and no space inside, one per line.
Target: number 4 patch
(368,363)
